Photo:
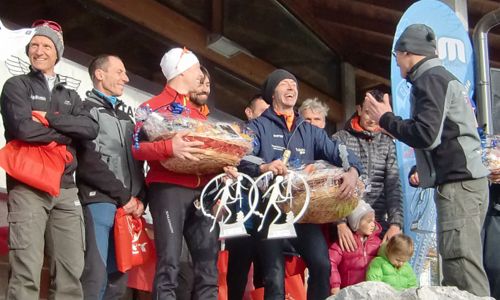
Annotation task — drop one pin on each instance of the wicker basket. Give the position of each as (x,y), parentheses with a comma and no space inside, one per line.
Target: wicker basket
(217,154)
(324,206)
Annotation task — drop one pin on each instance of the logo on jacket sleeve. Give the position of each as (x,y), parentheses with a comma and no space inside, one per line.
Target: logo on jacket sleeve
(36,97)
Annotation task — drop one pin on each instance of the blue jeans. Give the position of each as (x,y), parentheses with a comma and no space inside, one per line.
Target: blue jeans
(103,215)
(101,279)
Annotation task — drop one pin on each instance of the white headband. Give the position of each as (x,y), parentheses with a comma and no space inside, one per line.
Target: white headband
(176,61)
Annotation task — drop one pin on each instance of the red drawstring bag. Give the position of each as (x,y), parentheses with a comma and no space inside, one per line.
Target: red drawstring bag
(142,277)
(132,245)
(222,267)
(294,265)
(39,166)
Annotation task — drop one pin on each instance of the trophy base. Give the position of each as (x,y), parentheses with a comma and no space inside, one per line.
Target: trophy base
(281,231)
(231,230)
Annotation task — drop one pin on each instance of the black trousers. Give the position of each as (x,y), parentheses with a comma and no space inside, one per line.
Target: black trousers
(491,239)
(185,278)
(242,252)
(175,216)
(311,246)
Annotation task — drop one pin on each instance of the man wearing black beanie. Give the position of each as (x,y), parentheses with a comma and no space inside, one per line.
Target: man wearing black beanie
(442,130)
(278,129)
(272,81)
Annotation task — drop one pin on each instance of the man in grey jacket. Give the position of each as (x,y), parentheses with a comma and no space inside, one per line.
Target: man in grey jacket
(377,152)
(107,177)
(442,130)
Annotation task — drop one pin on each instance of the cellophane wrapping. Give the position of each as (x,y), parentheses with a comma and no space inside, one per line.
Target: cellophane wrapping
(325,205)
(491,152)
(225,144)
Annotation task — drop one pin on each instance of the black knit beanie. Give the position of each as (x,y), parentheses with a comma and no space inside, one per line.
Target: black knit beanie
(272,81)
(417,39)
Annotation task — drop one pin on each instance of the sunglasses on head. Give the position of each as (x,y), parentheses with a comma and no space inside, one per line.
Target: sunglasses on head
(51,24)
(184,51)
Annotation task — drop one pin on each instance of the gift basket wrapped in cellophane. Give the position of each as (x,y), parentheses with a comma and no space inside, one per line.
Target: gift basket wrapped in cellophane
(491,152)
(324,205)
(224,144)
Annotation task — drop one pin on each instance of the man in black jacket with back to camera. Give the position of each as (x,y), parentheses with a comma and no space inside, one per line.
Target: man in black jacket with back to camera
(443,131)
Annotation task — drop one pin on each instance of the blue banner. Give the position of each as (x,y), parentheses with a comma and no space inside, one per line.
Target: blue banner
(456,52)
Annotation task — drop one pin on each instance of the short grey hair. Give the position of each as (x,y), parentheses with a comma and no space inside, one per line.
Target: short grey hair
(315,106)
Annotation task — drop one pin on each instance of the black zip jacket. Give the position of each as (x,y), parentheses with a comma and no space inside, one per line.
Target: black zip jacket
(64,110)
(107,171)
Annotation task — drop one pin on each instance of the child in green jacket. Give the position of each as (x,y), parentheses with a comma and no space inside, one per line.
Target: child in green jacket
(391,265)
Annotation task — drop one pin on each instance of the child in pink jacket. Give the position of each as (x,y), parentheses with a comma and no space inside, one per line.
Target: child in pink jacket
(349,268)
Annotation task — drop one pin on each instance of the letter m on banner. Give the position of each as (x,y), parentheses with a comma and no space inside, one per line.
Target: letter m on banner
(451,49)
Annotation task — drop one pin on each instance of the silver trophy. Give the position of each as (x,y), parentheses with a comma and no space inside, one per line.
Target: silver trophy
(277,194)
(226,207)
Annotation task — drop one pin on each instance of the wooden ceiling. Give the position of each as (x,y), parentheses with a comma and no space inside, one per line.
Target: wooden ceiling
(362,31)
(359,31)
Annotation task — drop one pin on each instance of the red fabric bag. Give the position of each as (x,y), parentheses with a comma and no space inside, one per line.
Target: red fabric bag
(142,277)
(294,265)
(222,267)
(132,245)
(39,166)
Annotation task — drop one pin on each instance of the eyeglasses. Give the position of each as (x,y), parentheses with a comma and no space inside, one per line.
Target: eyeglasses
(395,54)
(51,24)
(184,51)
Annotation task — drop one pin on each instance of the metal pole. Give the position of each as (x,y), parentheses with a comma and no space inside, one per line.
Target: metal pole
(483,84)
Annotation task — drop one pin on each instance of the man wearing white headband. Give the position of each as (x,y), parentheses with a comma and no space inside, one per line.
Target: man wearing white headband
(171,195)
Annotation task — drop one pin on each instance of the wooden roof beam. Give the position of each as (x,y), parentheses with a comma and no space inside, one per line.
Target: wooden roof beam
(357,21)
(396,5)
(372,76)
(359,10)
(357,38)
(379,66)
(481,7)
(302,10)
(174,26)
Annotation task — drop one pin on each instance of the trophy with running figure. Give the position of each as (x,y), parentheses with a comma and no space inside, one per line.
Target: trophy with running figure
(277,197)
(229,203)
